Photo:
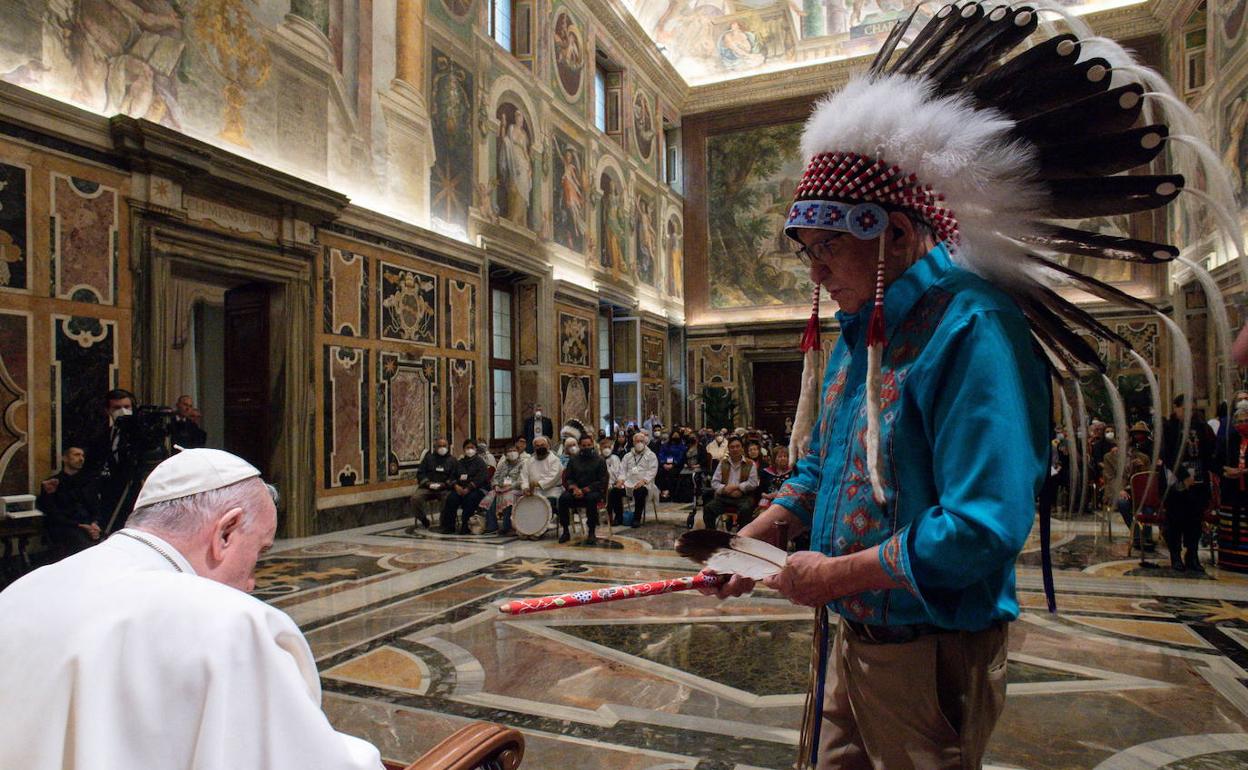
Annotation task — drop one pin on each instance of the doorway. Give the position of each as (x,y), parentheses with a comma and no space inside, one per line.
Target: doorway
(777,385)
(246,374)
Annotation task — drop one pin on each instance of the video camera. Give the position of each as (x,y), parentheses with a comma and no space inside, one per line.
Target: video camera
(145,434)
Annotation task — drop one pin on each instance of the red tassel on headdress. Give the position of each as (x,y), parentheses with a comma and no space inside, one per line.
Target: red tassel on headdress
(810,337)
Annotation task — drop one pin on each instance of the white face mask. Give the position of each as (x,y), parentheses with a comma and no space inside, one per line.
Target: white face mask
(512,456)
(1109,434)
(639,448)
(606,452)
(122,411)
(569,448)
(470,452)
(441,451)
(538,414)
(1241,405)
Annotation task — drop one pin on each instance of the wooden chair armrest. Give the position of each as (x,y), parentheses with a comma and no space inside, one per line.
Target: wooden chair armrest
(470,748)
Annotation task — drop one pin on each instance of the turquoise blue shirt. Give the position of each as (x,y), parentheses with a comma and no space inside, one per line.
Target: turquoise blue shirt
(964,441)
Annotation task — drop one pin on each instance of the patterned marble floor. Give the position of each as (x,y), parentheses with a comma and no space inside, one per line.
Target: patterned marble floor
(1141,668)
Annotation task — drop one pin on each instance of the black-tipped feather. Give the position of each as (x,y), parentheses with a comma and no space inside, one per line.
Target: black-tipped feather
(943,16)
(1114,110)
(950,29)
(1095,287)
(1106,196)
(1084,243)
(1057,53)
(699,544)
(1030,95)
(1061,337)
(890,45)
(1103,155)
(994,38)
(1079,317)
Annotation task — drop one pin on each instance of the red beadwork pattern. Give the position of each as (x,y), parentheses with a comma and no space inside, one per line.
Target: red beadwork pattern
(611,594)
(847,176)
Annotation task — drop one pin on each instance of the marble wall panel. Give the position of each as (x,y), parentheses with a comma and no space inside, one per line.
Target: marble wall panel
(574,340)
(408,300)
(526,392)
(652,400)
(461,315)
(408,411)
(15,226)
(84,366)
(345,396)
(14,403)
(1144,335)
(462,387)
(716,365)
(526,324)
(84,239)
(576,398)
(345,289)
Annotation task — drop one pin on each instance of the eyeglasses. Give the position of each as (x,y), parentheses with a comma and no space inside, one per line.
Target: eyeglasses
(817,252)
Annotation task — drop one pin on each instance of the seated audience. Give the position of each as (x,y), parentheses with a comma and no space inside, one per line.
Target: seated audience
(733,482)
(146,652)
(71,504)
(584,485)
(483,451)
(522,448)
(615,482)
(468,487)
(433,476)
(620,447)
(717,447)
(504,490)
(569,450)
(543,474)
(638,470)
(671,456)
(772,477)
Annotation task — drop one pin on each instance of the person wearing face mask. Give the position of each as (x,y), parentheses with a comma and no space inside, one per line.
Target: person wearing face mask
(468,486)
(109,460)
(504,490)
(671,454)
(718,447)
(621,445)
(637,473)
(584,485)
(537,424)
(569,450)
(1233,516)
(615,482)
(543,474)
(522,449)
(433,477)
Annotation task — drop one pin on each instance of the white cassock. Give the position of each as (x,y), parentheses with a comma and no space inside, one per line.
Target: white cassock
(111,658)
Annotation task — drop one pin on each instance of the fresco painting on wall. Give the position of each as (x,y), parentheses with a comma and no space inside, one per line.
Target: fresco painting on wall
(1235,134)
(643,124)
(569,47)
(574,390)
(14,225)
(647,241)
(711,40)
(346,421)
(84,239)
(568,191)
(408,305)
(1107,270)
(1229,17)
(451,114)
(14,414)
(573,340)
(408,407)
(675,257)
(513,185)
(612,230)
(751,175)
(458,8)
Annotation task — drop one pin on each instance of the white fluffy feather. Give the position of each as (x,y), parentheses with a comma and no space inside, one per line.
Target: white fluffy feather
(807,407)
(749,558)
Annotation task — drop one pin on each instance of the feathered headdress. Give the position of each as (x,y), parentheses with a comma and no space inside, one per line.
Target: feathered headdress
(996,144)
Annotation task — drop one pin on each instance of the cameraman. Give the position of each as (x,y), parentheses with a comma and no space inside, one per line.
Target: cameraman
(110,459)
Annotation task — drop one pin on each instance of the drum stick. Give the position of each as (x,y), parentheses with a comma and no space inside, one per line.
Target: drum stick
(609,594)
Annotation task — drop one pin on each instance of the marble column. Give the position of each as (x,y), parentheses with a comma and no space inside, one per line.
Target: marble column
(409,136)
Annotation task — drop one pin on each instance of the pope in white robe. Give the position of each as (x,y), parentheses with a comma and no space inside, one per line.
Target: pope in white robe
(123,656)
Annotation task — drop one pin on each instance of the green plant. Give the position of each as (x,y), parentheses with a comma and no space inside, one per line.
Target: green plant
(719,406)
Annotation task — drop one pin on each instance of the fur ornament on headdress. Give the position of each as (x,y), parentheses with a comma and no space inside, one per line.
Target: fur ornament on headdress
(572,428)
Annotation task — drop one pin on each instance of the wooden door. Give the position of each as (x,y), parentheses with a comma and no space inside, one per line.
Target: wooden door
(777,384)
(247,418)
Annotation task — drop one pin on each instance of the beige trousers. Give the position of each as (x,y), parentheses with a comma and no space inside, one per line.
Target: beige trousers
(929,704)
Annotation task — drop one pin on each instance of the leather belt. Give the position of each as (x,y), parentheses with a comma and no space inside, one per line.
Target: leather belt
(869,634)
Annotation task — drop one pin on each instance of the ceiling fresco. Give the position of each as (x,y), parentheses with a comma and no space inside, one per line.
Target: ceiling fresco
(714,40)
